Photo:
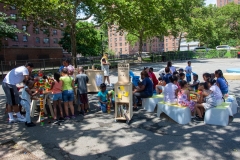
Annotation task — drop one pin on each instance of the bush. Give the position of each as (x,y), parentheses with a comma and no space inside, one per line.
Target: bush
(212,54)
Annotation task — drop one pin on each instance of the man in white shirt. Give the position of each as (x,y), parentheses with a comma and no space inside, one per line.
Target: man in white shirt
(14,77)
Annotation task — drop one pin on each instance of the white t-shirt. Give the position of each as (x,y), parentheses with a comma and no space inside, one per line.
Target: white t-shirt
(188,70)
(16,75)
(169,93)
(216,92)
(161,71)
(172,69)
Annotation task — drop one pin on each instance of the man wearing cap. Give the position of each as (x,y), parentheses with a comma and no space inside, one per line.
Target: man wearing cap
(14,77)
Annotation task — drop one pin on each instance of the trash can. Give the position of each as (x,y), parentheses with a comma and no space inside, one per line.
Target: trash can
(238,55)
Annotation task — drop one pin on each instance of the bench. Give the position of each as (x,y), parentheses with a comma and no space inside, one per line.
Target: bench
(150,103)
(233,104)
(181,115)
(218,115)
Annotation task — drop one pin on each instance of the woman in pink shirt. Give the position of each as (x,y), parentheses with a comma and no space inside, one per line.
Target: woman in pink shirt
(56,88)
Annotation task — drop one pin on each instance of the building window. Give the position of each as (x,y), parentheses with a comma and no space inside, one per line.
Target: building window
(25,38)
(120,50)
(166,44)
(115,44)
(55,40)
(37,40)
(36,31)
(110,39)
(115,39)
(116,49)
(110,34)
(111,45)
(54,32)
(125,43)
(166,49)
(15,38)
(173,44)
(24,28)
(14,25)
(166,40)
(120,38)
(144,44)
(13,16)
(61,24)
(46,40)
(126,49)
(120,44)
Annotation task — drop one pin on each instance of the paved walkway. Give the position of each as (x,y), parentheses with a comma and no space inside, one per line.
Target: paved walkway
(97,136)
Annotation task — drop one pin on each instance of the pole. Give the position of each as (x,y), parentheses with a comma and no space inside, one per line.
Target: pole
(102,42)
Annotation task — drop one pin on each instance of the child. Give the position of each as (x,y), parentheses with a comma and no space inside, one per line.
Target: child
(56,88)
(216,91)
(171,90)
(67,93)
(195,82)
(180,70)
(166,76)
(188,71)
(209,101)
(159,87)
(181,77)
(81,81)
(221,82)
(154,79)
(103,97)
(184,97)
(206,77)
(26,101)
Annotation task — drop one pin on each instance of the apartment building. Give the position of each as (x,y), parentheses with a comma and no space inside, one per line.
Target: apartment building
(117,42)
(38,37)
(221,3)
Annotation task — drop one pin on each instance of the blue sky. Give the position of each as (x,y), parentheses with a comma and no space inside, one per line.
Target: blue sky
(210,2)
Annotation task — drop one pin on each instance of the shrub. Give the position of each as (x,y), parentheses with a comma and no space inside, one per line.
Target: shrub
(212,54)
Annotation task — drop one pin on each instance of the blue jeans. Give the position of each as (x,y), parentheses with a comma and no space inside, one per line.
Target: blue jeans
(57,96)
(103,107)
(188,77)
(26,106)
(68,95)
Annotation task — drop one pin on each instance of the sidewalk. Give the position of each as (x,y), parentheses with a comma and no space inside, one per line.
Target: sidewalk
(97,136)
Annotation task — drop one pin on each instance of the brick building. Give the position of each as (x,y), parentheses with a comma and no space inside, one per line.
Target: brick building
(38,39)
(221,3)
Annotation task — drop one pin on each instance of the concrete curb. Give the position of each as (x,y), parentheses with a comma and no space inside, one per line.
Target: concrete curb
(33,150)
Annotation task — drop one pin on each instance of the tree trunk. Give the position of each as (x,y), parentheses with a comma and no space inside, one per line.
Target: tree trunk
(140,46)
(179,42)
(73,44)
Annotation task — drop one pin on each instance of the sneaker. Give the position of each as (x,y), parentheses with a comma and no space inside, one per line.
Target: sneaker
(199,119)
(110,85)
(193,117)
(21,119)
(61,119)
(56,122)
(12,121)
(73,117)
(31,124)
(66,118)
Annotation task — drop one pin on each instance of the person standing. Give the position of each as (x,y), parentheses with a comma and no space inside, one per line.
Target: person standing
(81,81)
(105,68)
(188,71)
(67,92)
(14,77)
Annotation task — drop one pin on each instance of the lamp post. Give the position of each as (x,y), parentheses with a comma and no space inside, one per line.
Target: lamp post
(101,33)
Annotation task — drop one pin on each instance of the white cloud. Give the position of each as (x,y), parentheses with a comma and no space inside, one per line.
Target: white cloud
(210,2)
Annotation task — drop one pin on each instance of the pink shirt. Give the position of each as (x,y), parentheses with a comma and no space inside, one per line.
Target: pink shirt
(57,88)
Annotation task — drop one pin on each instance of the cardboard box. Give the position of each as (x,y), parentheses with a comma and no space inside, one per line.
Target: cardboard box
(96,77)
(123,72)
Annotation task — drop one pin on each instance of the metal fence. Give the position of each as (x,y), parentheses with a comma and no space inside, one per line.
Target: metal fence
(52,64)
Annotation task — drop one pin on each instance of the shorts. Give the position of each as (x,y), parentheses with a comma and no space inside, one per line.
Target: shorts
(207,106)
(67,95)
(57,96)
(188,77)
(12,94)
(224,92)
(83,98)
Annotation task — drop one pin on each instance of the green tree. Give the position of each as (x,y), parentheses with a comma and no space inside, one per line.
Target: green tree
(6,29)
(88,41)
